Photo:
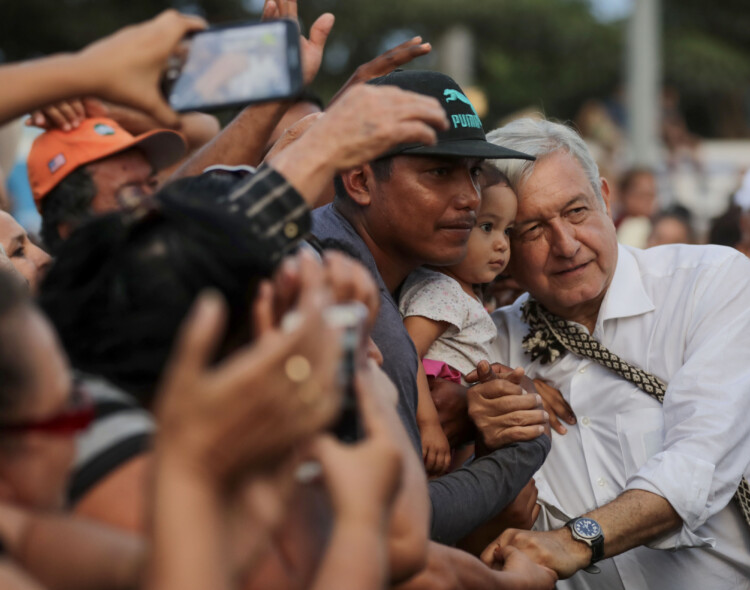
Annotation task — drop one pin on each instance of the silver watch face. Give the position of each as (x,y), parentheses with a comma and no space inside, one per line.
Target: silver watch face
(587,528)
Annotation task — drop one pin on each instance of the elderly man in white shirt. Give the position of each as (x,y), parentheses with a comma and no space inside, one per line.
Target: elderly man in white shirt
(643,486)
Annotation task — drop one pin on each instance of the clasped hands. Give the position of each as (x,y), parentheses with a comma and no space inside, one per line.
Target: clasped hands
(499,404)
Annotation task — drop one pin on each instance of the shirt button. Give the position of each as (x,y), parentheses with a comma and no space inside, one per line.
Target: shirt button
(585,421)
(583,370)
(291,230)
(601,482)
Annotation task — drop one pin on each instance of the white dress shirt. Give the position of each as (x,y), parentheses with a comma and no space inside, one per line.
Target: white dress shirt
(681,313)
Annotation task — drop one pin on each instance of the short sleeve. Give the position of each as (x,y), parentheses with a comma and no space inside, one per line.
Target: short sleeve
(435,296)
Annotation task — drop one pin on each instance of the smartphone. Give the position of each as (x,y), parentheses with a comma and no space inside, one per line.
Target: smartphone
(350,318)
(235,65)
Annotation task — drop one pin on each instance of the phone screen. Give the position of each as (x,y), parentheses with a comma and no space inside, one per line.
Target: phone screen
(239,65)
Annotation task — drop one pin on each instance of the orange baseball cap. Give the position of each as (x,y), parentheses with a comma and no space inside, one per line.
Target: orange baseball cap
(56,153)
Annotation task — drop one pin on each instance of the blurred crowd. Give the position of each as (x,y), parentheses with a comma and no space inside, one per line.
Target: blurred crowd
(262,355)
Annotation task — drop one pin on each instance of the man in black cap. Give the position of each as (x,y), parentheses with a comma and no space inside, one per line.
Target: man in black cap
(417,205)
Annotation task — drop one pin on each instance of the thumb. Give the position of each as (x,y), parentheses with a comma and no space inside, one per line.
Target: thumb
(485,372)
(163,113)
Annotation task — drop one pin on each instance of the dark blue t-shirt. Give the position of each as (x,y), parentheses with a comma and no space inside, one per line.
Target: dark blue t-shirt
(470,496)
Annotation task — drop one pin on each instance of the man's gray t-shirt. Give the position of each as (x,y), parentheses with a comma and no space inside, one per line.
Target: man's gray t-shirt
(467,497)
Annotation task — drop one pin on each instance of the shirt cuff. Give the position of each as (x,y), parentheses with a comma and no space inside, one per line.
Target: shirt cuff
(686,483)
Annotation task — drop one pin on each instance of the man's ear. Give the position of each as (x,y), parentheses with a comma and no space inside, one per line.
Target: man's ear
(358,183)
(606,195)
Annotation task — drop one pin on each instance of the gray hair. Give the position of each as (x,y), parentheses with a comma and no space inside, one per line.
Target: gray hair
(539,138)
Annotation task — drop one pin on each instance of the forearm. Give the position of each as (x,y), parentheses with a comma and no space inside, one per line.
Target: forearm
(634,518)
(242,142)
(470,496)
(13,578)
(68,553)
(452,569)
(426,410)
(188,553)
(356,558)
(410,518)
(36,83)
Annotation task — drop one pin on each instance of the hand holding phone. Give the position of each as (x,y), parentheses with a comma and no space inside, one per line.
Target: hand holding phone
(233,66)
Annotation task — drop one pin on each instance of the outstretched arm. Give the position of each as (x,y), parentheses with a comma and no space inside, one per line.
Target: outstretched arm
(453,569)
(634,518)
(124,68)
(68,553)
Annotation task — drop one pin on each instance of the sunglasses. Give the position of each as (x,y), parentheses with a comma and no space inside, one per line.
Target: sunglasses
(76,417)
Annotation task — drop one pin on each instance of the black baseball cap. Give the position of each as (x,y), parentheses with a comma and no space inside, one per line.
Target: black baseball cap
(464,137)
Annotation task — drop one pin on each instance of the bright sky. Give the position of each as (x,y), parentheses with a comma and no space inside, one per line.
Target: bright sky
(607,10)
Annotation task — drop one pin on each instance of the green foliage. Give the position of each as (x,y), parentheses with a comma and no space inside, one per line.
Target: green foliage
(546,54)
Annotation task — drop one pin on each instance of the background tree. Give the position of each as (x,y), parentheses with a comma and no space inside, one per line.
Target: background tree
(551,55)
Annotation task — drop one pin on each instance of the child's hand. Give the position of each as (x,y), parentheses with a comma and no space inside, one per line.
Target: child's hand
(436,451)
(362,479)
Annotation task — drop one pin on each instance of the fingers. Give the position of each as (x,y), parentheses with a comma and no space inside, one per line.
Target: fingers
(163,113)
(429,459)
(446,460)
(497,368)
(286,286)
(398,56)
(175,25)
(320,29)
(556,403)
(517,434)
(291,9)
(56,117)
(37,119)
(270,11)
(351,281)
(535,513)
(496,388)
(262,310)
(488,555)
(414,132)
(515,376)
(93,107)
(71,118)
(484,372)
(554,422)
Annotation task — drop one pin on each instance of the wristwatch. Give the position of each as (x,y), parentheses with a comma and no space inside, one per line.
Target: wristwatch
(588,531)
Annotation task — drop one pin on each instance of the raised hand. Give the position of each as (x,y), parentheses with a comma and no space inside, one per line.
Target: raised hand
(311,49)
(385,63)
(126,67)
(252,408)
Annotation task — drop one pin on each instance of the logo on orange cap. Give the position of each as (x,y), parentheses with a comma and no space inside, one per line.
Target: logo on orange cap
(55,154)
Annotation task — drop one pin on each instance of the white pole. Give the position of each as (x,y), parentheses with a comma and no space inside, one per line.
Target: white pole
(644,82)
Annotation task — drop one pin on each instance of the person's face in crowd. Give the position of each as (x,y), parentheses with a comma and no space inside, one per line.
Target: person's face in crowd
(425,211)
(28,259)
(564,242)
(488,250)
(669,230)
(35,464)
(639,200)
(121,181)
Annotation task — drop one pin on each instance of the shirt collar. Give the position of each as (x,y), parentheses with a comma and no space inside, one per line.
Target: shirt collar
(626,296)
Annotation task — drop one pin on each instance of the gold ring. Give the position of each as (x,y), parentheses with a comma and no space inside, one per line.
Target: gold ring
(297,368)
